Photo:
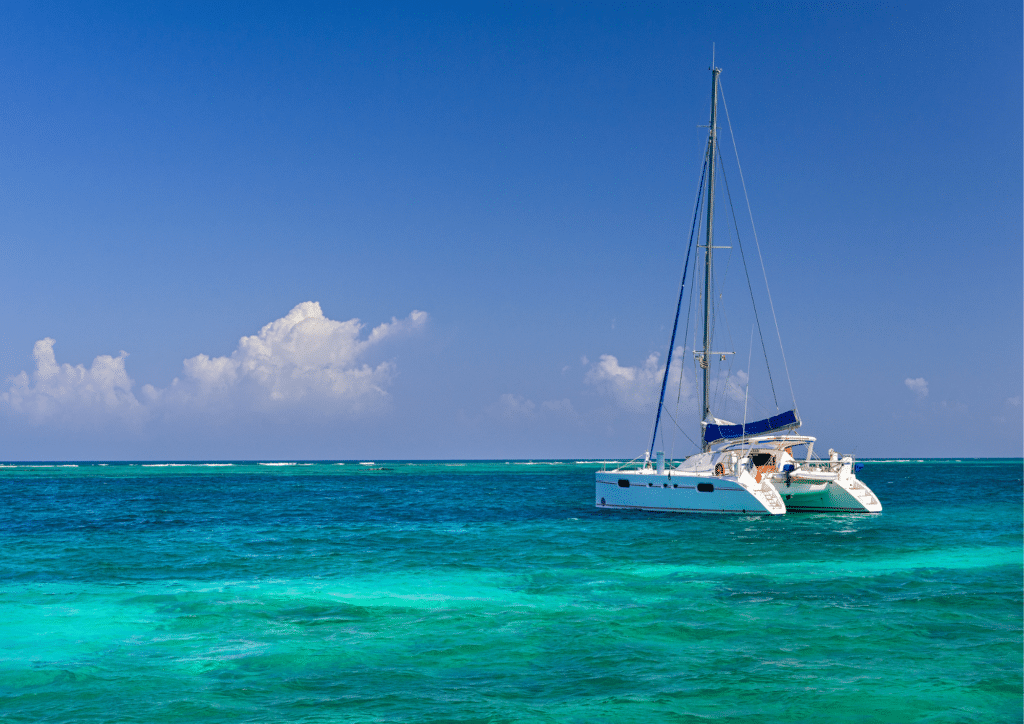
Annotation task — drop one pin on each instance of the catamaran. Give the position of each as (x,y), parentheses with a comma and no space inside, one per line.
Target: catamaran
(741,468)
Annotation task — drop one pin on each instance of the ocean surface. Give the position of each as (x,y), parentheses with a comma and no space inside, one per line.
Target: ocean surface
(496,592)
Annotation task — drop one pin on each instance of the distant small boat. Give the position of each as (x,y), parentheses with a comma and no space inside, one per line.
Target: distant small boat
(367,463)
(753,470)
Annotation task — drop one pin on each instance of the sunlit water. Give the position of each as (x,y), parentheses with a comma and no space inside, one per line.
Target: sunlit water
(497,592)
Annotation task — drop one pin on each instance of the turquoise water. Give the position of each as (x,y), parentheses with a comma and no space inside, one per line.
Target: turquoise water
(495,592)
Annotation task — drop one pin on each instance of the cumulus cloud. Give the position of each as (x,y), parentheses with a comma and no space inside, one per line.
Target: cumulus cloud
(635,388)
(735,386)
(73,394)
(302,355)
(304,358)
(515,406)
(917,385)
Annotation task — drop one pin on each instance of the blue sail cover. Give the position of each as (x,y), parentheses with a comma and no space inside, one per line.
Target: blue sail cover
(783,421)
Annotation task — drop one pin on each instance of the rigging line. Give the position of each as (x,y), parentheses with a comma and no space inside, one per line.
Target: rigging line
(757,243)
(680,428)
(720,396)
(686,332)
(679,304)
(751,288)
(696,294)
(689,312)
(746,395)
(721,313)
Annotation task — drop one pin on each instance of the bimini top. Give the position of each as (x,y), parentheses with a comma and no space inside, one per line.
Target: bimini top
(723,431)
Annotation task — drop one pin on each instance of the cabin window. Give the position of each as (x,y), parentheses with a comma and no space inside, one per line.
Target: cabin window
(762,459)
(623,483)
(706,487)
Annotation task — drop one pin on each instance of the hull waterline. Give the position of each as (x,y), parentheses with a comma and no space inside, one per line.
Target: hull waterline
(673,492)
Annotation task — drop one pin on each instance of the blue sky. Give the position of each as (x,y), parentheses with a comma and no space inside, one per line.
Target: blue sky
(504,193)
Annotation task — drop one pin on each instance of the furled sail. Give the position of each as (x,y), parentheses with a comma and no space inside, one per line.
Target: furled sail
(784,421)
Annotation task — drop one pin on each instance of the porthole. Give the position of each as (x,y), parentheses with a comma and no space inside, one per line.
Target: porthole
(623,483)
(706,487)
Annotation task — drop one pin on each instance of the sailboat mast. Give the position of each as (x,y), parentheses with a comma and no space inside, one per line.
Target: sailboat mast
(705,360)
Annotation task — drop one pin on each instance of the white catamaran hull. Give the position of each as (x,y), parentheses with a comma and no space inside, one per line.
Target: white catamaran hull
(841,494)
(758,475)
(680,493)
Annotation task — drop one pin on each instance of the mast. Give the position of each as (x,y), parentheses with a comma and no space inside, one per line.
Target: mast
(705,360)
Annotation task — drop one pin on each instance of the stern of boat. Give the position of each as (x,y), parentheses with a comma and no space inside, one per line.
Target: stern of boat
(832,487)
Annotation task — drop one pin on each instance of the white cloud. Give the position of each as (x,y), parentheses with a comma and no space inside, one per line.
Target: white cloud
(634,388)
(637,388)
(735,386)
(74,395)
(302,355)
(918,385)
(515,407)
(304,358)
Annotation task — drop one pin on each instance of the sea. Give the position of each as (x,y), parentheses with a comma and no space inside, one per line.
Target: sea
(469,591)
